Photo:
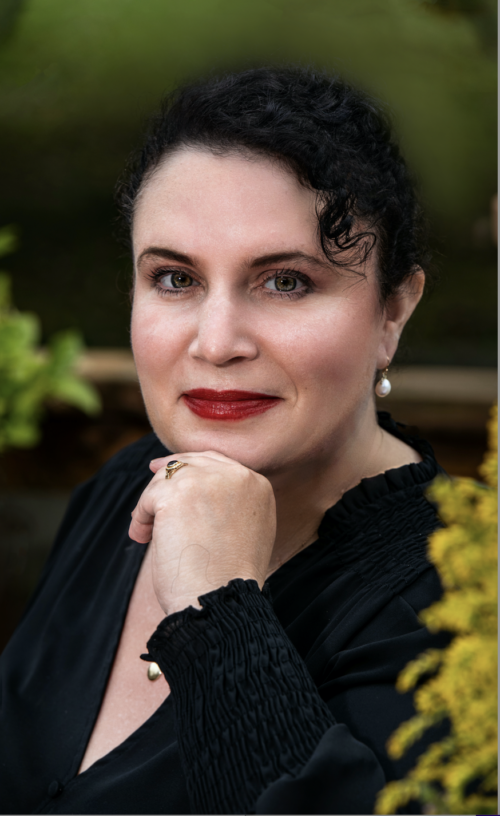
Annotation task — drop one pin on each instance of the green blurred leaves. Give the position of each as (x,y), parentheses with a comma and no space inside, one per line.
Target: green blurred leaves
(75,71)
(9,13)
(8,244)
(29,376)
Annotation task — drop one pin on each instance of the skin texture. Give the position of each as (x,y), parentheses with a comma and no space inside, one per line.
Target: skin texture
(255,490)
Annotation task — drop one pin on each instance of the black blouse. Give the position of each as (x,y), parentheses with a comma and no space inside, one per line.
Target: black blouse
(282,700)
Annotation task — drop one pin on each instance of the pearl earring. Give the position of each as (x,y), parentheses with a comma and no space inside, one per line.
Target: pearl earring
(383,387)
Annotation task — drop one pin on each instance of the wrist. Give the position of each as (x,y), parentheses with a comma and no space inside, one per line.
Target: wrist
(190,597)
(178,604)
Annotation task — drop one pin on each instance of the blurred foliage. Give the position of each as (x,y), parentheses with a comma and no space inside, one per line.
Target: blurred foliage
(458,774)
(28,376)
(9,12)
(77,80)
(482,14)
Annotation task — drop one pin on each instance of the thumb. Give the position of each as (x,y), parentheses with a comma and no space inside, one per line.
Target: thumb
(156,464)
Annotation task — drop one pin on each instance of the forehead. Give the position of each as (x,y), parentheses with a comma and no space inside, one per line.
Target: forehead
(201,200)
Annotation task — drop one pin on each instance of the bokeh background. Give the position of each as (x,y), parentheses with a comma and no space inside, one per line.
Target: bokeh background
(78,79)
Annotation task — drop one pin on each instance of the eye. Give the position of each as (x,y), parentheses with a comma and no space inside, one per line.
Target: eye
(177,280)
(283,283)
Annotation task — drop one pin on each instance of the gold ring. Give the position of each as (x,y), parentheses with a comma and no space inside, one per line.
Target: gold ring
(172,467)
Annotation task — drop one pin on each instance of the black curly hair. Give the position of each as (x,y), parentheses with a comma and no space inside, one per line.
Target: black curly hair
(335,139)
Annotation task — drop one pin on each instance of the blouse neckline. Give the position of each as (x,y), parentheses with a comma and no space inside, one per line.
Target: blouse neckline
(371,490)
(374,488)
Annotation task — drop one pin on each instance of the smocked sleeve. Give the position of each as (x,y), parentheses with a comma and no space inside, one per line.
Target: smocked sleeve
(253,732)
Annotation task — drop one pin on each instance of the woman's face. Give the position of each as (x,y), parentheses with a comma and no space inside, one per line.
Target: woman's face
(233,294)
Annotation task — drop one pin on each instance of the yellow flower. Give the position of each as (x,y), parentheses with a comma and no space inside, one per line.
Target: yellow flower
(463,688)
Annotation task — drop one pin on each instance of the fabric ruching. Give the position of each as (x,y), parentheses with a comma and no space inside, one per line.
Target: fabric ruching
(249,715)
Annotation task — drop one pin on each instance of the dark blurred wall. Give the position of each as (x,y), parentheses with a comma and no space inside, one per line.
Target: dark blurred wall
(77,79)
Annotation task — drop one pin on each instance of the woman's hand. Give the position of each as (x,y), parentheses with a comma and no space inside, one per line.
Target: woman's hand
(211,522)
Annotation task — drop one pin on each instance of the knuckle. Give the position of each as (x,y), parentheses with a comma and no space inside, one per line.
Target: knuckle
(264,484)
(184,485)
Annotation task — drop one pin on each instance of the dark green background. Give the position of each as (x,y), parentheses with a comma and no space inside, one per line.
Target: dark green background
(77,78)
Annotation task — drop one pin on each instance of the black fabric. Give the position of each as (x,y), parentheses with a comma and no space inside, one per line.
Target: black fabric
(282,701)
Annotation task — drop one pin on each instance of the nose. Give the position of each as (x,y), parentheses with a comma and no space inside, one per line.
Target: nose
(223,334)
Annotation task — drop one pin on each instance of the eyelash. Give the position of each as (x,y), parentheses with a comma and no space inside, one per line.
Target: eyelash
(156,276)
(290,273)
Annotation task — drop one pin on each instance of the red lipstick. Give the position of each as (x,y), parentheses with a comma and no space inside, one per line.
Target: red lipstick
(227,405)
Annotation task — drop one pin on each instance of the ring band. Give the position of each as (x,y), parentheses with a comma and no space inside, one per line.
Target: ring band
(172,467)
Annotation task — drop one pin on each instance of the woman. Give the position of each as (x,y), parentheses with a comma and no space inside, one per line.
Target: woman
(277,259)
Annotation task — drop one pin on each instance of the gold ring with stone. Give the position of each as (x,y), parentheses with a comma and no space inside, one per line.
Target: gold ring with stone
(172,467)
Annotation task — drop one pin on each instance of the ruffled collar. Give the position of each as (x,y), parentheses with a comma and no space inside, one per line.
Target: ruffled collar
(371,490)
(343,522)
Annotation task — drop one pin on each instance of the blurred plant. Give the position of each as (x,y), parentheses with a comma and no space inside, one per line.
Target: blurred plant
(481,13)
(459,773)
(9,13)
(29,375)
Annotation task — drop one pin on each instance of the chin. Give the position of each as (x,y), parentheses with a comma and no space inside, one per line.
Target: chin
(254,450)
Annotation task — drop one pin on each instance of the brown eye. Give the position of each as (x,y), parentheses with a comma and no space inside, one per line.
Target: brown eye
(284,283)
(180,280)
(175,280)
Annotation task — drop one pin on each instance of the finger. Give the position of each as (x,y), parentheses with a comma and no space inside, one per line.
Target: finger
(204,459)
(141,526)
(156,464)
(159,467)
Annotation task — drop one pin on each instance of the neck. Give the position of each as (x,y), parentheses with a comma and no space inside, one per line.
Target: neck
(304,492)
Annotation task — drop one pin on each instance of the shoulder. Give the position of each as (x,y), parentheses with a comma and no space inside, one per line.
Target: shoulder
(380,532)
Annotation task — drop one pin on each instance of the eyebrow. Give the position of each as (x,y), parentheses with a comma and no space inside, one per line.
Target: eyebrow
(280,257)
(262,260)
(168,254)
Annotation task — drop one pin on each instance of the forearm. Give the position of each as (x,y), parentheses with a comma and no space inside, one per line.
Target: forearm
(248,713)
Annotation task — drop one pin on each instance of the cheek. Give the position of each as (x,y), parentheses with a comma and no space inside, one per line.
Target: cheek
(337,349)
(156,344)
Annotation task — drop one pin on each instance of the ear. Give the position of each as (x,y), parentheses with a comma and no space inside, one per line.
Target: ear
(397,312)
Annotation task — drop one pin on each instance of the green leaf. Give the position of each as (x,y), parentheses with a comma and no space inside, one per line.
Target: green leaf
(20,434)
(77,392)
(65,348)
(4,292)
(8,240)
(29,375)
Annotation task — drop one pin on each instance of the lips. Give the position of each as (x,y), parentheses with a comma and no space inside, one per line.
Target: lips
(228,405)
